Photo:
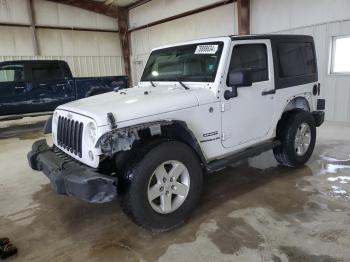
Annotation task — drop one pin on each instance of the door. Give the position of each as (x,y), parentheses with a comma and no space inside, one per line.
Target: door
(50,87)
(13,89)
(247,118)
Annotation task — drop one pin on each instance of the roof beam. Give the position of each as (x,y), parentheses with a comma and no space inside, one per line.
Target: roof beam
(137,3)
(97,7)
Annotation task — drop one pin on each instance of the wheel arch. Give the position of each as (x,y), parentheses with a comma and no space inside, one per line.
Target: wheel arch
(295,104)
(299,102)
(135,141)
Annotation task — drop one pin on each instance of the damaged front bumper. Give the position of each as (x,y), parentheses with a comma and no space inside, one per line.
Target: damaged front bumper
(69,177)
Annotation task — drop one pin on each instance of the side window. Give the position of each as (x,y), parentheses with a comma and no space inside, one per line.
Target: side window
(253,56)
(11,73)
(296,59)
(46,72)
(66,71)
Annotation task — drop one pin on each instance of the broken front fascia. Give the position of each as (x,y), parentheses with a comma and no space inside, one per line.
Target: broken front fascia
(122,139)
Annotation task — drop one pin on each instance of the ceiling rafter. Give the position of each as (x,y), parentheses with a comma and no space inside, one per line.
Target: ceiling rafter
(94,6)
(137,3)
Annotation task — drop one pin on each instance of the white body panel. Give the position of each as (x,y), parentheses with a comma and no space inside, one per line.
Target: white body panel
(134,103)
(244,109)
(239,123)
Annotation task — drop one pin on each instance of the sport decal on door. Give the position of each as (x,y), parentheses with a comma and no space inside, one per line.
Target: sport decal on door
(208,136)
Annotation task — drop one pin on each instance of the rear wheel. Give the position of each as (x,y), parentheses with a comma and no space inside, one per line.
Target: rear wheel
(163,187)
(297,134)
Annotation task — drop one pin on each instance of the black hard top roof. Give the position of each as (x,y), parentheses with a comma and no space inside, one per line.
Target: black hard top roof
(276,37)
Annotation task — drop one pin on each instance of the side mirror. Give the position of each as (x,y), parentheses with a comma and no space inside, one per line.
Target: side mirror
(231,94)
(238,79)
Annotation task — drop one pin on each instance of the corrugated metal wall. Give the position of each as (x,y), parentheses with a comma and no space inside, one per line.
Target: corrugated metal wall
(219,21)
(52,14)
(323,20)
(88,53)
(156,10)
(14,11)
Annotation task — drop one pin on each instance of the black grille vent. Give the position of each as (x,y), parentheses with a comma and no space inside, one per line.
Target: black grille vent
(70,135)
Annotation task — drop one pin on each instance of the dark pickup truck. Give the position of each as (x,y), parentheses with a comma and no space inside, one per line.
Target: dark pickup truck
(34,87)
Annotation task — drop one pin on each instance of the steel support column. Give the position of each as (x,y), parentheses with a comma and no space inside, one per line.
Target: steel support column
(123,28)
(33,28)
(243,11)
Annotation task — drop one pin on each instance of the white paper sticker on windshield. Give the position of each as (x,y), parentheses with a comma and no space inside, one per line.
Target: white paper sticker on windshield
(206,49)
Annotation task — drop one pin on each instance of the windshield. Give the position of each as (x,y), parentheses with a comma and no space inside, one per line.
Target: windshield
(192,63)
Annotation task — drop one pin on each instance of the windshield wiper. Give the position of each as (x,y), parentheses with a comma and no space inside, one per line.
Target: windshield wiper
(153,84)
(182,84)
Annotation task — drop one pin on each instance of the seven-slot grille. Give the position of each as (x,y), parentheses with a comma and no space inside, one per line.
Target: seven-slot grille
(70,135)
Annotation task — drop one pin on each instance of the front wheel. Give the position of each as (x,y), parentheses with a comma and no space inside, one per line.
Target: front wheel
(164,187)
(297,134)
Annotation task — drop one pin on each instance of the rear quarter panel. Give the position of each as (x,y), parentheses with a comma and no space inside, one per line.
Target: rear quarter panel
(285,95)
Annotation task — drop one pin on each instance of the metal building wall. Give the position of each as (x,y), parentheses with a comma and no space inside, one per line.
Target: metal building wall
(323,20)
(53,14)
(88,53)
(14,11)
(161,9)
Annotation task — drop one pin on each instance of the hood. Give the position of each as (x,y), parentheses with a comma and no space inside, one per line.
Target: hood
(137,102)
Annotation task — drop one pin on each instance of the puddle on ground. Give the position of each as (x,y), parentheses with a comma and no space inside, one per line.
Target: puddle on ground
(23,132)
(295,254)
(106,232)
(333,177)
(241,201)
(234,233)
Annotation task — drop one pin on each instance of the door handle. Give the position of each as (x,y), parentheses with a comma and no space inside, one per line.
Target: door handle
(60,84)
(269,92)
(19,87)
(42,84)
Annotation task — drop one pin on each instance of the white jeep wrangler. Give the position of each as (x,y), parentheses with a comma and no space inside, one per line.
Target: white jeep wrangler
(200,106)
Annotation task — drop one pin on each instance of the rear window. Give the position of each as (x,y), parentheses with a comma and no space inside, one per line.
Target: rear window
(296,59)
(46,72)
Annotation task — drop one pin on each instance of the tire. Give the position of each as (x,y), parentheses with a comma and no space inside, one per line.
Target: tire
(290,152)
(151,214)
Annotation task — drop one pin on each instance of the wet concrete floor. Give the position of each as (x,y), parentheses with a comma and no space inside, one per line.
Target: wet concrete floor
(252,211)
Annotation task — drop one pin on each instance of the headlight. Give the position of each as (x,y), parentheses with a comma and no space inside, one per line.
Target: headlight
(91,131)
